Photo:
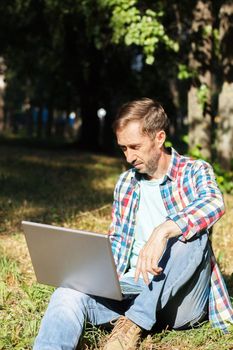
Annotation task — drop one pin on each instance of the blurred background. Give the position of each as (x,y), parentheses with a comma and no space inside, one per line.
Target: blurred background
(66,66)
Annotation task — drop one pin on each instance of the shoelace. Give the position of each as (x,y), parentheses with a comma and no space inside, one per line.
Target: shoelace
(118,325)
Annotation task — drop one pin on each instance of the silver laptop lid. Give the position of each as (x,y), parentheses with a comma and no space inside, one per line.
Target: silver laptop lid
(76,259)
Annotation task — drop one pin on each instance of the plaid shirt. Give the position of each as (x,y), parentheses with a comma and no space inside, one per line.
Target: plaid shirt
(193,201)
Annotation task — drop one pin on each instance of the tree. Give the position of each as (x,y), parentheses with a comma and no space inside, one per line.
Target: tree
(144,29)
(225,113)
(199,95)
(63,58)
(68,54)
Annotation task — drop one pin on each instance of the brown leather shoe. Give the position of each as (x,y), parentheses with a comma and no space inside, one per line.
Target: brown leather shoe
(124,336)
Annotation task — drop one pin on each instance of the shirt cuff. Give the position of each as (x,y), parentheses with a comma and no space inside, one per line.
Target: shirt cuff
(182,224)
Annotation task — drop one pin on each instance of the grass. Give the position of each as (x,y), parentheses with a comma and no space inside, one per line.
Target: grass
(74,190)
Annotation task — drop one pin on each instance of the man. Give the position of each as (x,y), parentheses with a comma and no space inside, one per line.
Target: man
(162,210)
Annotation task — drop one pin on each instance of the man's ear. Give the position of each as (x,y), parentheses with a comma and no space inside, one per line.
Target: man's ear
(160,137)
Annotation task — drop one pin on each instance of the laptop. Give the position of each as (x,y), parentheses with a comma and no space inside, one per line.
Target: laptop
(76,259)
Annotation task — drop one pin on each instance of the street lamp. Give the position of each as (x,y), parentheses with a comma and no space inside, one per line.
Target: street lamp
(101,114)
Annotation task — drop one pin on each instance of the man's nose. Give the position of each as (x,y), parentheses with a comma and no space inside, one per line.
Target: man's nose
(130,156)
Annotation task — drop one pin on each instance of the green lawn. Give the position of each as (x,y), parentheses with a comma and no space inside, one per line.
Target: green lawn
(74,190)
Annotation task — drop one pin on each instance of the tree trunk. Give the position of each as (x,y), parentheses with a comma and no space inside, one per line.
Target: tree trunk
(1,111)
(199,96)
(199,124)
(90,127)
(225,115)
(225,128)
(89,100)
(2,89)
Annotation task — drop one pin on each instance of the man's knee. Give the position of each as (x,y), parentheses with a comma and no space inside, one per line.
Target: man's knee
(68,298)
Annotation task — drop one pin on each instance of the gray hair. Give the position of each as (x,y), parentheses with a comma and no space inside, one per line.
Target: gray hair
(145,110)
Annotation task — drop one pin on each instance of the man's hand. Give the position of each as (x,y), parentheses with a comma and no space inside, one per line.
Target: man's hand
(153,250)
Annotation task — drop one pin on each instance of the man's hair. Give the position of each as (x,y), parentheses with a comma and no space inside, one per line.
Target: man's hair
(145,110)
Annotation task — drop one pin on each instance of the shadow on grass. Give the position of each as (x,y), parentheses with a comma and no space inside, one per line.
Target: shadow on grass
(50,186)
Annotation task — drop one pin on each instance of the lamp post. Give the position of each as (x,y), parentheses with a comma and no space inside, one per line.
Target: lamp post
(101,114)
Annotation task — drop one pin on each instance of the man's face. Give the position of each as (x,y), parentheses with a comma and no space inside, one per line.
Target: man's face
(140,150)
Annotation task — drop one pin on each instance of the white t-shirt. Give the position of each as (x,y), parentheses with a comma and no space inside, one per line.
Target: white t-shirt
(151,213)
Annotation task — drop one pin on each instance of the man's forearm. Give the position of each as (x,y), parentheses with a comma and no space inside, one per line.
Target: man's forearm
(168,229)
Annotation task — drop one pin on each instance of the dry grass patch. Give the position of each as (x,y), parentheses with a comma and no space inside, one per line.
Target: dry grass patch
(73,190)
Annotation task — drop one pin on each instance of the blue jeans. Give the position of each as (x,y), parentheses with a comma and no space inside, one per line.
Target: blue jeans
(178,298)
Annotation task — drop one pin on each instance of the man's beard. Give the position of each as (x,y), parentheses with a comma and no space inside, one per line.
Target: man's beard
(151,166)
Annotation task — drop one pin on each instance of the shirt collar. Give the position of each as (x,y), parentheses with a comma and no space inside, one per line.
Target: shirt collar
(174,165)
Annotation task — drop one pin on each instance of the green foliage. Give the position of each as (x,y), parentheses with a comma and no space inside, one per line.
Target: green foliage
(224,178)
(143,29)
(203,337)
(184,72)
(207,31)
(168,143)
(21,307)
(8,267)
(202,95)
(92,336)
(216,42)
